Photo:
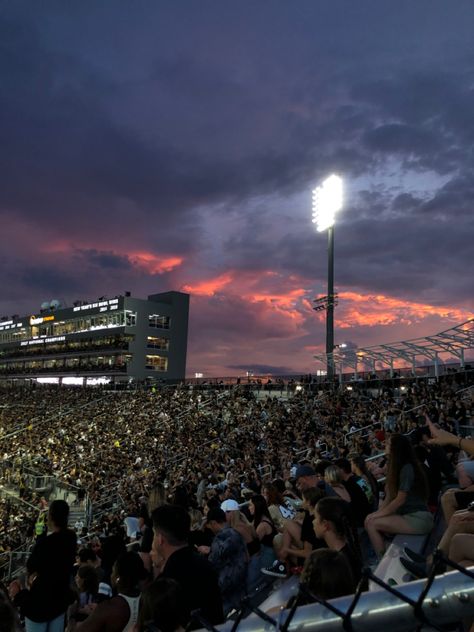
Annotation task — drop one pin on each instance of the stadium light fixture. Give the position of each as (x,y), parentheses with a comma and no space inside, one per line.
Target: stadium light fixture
(327,201)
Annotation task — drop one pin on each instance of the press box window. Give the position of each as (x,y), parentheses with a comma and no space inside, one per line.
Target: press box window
(156,363)
(130,318)
(158,343)
(160,322)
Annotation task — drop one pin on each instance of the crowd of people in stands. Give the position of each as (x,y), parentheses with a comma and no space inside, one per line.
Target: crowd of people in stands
(215,493)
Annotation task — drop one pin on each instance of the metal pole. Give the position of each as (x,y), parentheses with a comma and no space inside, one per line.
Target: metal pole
(330,307)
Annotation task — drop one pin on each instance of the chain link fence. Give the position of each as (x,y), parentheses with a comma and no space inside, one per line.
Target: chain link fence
(437,603)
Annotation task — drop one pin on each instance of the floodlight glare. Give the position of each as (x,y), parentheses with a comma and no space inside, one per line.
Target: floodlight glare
(327,201)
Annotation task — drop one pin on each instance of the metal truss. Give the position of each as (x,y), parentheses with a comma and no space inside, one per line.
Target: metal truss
(454,341)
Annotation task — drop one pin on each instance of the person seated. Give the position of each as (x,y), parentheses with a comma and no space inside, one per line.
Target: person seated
(279,507)
(87,583)
(298,540)
(327,574)
(119,614)
(181,562)
(461,523)
(229,556)
(332,523)
(371,488)
(161,607)
(264,527)
(404,509)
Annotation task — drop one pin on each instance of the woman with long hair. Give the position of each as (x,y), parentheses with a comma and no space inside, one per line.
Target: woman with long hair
(332,523)
(404,509)
(266,530)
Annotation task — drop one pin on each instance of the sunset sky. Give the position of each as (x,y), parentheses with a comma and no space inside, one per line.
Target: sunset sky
(153,146)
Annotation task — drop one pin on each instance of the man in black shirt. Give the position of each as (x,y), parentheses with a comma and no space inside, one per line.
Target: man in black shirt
(195,575)
(360,506)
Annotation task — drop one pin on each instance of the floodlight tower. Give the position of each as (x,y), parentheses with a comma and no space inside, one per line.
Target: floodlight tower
(327,201)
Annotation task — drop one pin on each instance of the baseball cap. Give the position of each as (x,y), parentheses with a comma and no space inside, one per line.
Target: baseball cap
(230,505)
(304,470)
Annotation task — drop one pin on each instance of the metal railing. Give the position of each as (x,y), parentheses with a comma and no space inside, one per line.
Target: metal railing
(13,564)
(430,604)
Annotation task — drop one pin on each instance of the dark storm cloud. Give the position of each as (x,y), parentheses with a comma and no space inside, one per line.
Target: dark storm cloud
(105,259)
(124,128)
(50,281)
(394,138)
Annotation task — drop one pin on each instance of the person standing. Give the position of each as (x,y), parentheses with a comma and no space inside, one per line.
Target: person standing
(50,568)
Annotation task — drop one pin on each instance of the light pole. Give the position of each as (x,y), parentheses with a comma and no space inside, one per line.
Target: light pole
(327,201)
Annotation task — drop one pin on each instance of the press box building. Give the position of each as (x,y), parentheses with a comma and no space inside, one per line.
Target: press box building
(114,339)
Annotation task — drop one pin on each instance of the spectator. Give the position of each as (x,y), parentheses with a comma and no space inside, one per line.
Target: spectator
(264,527)
(50,567)
(327,574)
(228,555)
(119,614)
(355,487)
(404,508)
(371,489)
(332,523)
(194,574)
(161,607)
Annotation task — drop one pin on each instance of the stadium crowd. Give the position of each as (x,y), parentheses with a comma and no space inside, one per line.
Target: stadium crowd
(211,493)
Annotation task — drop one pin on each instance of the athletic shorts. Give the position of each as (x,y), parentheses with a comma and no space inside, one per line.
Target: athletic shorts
(420,521)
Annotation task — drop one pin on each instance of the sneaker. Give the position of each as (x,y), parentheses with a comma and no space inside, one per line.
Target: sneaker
(413,556)
(277,569)
(415,568)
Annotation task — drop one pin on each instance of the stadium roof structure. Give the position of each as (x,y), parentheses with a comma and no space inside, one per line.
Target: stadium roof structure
(454,341)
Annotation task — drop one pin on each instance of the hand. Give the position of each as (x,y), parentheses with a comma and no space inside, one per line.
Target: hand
(372,516)
(14,588)
(439,436)
(204,550)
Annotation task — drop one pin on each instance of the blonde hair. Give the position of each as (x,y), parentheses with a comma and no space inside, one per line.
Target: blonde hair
(332,475)
(156,497)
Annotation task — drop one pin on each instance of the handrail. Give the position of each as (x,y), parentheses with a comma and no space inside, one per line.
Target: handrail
(353,432)
(466,388)
(17,499)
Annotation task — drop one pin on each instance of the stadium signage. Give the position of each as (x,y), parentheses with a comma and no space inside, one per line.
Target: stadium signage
(6,325)
(34,320)
(103,305)
(42,341)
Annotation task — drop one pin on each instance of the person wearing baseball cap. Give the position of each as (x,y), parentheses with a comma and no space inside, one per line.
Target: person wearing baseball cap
(230,505)
(228,555)
(306,477)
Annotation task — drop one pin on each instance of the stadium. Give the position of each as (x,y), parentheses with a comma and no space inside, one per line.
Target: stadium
(272,427)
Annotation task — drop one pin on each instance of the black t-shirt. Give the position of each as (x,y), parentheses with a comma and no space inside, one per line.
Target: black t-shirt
(360,506)
(52,563)
(354,562)
(308,534)
(198,581)
(146,540)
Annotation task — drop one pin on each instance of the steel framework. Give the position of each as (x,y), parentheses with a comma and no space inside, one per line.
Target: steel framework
(454,341)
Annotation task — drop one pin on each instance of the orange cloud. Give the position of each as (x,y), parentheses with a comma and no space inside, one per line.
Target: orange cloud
(154,264)
(370,310)
(210,286)
(141,259)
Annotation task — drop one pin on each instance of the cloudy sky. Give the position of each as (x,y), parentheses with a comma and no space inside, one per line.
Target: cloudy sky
(157,145)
